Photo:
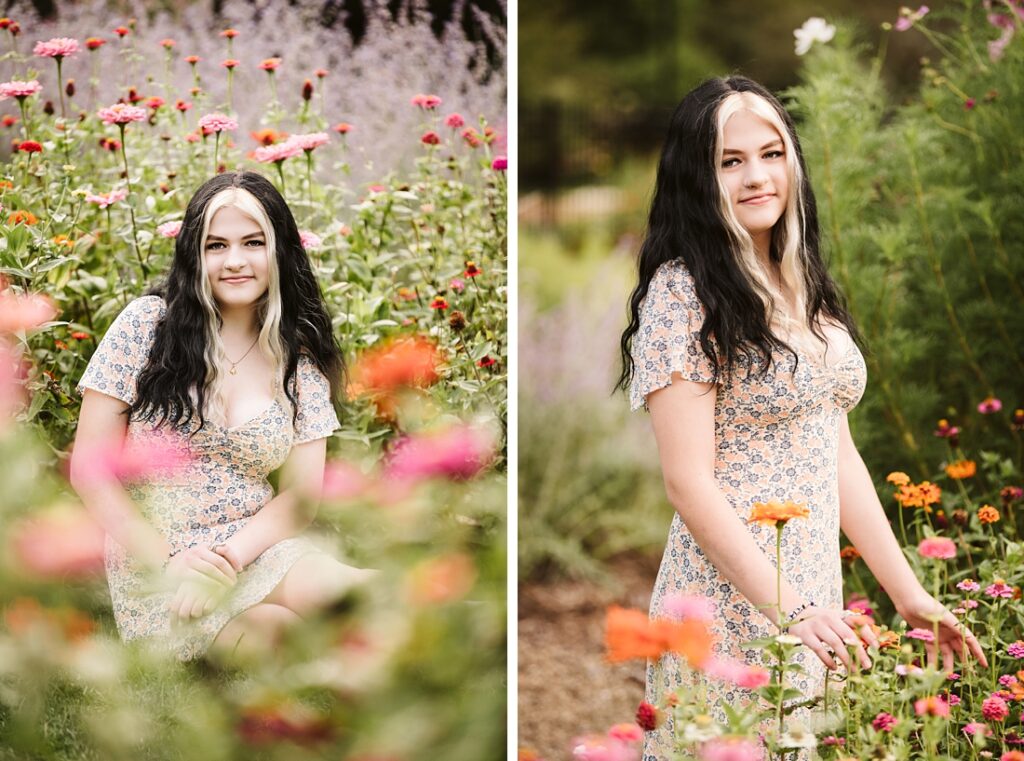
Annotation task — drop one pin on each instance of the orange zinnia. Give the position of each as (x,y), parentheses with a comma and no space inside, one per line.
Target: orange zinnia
(898,478)
(631,634)
(988,514)
(411,361)
(961,469)
(849,553)
(774,512)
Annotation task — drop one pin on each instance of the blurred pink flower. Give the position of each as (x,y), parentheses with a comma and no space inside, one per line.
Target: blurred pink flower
(163,454)
(500,163)
(24,311)
(122,113)
(976,727)
(1015,649)
(13,371)
(884,722)
(170,229)
(457,284)
(937,547)
(603,748)
(18,89)
(994,708)
(311,141)
(278,152)
(426,102)
(430,138)
(217,122)
(103,200)
(344,481)
(309,240)
(59,542)
(908,18)
(690,606)
(738,673)
(730,749)
(924,635)
(441,579)
(968,585)
(999,589)
(989,405)
(458,452)
(933,705)
(627,733)
(454,121)
(58,47)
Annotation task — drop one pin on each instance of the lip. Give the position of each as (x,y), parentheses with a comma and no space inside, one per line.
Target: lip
(759,199)
(235,280)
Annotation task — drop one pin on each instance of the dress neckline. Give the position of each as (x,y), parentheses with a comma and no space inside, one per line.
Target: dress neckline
(250,421)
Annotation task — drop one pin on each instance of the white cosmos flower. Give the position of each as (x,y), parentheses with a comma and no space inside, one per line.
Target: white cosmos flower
(815,29)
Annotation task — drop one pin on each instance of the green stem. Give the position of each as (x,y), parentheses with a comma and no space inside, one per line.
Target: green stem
(131,207)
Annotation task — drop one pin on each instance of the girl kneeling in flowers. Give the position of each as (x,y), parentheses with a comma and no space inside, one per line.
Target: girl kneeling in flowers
(740,346)
(220,375)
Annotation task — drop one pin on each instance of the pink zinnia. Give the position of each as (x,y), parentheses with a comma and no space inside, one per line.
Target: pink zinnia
(999,589)
(217,123)
(103,200)
(270,64)
(974,727)
(933,705)
(730,749)
(690,606)
(627,733)
(454,121)
(278,152)
(229,63)
(602,748)
(457,284)
(884,722)
(458,452)
(989,405)
(62,542)
(925,635)
(1016,649)
(24,311)
(311,141)
(309,240)
(426,102)
(735,672)
(58,47)
(170,229)
(1008,680)
(500,163)
(994,708)
(968,585)
(938,547)
(18,89)
(122,113)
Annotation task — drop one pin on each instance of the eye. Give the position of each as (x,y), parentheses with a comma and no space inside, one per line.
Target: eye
(255,241)
(728,163)
(774,154)
(213,245)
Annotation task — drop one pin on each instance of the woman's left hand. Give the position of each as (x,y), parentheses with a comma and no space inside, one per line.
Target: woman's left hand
(196,598)
(921,612)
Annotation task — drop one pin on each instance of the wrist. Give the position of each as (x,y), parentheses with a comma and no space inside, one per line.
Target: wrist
(229,553)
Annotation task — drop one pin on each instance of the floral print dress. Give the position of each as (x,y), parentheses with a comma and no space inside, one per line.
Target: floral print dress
(222,484)
(776,438)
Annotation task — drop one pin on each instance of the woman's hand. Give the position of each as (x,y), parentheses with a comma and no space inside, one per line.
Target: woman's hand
(826,632)
(921,611)
(202,579)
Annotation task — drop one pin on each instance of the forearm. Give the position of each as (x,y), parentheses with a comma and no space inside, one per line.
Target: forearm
(729,545)
(285,516)
(109,503)
(864,522)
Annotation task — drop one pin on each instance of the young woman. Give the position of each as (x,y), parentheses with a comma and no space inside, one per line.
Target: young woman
(740,347)
(227,370)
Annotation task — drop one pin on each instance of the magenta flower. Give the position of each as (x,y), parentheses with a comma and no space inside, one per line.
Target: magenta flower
(884,722)
(458,452)
(309,240)
(976,727)
(968,585)
(730,749)
(169,229)
(602,748)
(103,200)
(994,708)
(500,163)
(426,102)
(268,154)
(457,284)
(1016,649)
(430,138)
(58,47)
(454,121)
(122,113)
(18,89)
(922,634)
(999,589)
(690,606)
(627,733)
(344,481)
(736,672)
(162,455)
(311,141)
(907,18)
(937,547)
(212,123)
(989,405)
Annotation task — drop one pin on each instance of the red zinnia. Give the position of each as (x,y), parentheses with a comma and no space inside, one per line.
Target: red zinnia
(168,43)
(320,73)
(229,63)
(192,59)
(30,146)
(647,716)
(342,128)
(439,302)
(229,33)
(487,361)
(430,138)
(121,31)
(95,43)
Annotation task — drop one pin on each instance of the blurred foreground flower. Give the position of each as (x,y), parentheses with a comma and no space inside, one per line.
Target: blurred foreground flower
(410,361)
(441,579)
(23,311)
(26,617)
(291,721)
(815,29)
(63,541)
(458,452)
(159,454)
(631,634)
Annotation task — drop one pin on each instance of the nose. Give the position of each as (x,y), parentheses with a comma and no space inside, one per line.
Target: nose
(234,259)
(755,175)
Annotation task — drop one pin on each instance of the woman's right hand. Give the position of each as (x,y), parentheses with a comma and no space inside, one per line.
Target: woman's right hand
(826,632)
(199,563)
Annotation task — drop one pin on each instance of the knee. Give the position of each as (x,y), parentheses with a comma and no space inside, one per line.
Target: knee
(272,615)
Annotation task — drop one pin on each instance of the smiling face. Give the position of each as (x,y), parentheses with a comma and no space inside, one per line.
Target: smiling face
(754,174)
(235,252)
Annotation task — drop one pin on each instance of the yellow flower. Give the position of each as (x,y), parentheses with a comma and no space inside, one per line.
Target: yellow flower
(775,512)
(898,478)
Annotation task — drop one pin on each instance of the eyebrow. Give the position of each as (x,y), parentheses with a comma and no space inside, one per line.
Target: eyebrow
(766,145)
(244,237)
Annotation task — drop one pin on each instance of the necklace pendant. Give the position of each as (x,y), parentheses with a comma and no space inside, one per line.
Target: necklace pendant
(233,370)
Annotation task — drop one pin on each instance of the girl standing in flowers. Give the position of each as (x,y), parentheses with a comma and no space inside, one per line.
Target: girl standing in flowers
(740,346)
(218,376)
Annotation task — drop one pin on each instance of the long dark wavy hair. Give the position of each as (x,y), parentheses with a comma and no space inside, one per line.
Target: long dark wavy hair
(690,221)
(175,384)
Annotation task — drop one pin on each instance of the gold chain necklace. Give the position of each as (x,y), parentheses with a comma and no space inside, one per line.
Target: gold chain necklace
(234,365)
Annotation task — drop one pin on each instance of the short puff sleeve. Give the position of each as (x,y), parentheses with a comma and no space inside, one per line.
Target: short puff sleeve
(122,353)
(316,417)
(668,339)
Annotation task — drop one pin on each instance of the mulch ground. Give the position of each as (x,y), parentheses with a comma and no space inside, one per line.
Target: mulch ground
(566,687)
